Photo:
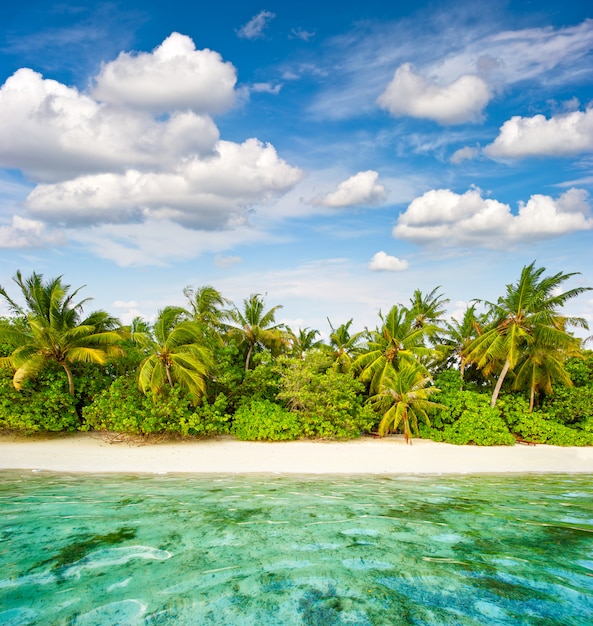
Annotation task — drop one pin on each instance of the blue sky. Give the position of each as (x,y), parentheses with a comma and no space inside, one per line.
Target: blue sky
(331,156)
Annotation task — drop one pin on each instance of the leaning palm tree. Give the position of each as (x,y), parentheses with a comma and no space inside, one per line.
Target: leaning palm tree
(404,396)
(53,329)
(396,342)
(256,327)
(178,355)
(529,308)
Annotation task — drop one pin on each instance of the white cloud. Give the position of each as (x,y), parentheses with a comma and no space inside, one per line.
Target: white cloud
(461,101)
(104,162)
(201,193)
(174,76)
(159,242)
(51,132)
(362,189)
(26,233)
(464,154)
(560,135)
(444,218)
(254,29)
(266,88)
(384,262)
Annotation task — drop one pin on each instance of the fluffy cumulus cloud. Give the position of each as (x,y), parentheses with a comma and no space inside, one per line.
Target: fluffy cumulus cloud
(51,132)
(254,28)
(442,217)
(200,193)
(383,262)
(174,76)
(362,189)
(26,233)
(561,135)
(458,102)
(112,156)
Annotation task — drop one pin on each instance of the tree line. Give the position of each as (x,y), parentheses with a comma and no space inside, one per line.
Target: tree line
(510,369)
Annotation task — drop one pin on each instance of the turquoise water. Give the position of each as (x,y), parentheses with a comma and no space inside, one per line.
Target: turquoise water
(267,550)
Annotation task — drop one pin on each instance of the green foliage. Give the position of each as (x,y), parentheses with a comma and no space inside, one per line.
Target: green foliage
(330,404)
(468,418)
(537,429)
(123,408)
(262,420)
(482,428)
(569,405)
(43,405)
(580,370)
(513,408)
(260,383)
(207,419)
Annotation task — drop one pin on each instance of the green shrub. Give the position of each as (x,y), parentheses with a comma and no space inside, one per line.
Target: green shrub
(124,408)
(468,418)
(330,404)
(513,408)
(42,405)
(569,405)
(207,419)
(482,428)
(538,429)
(262,420)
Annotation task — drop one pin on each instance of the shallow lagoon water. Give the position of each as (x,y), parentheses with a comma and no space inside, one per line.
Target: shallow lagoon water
(286,550)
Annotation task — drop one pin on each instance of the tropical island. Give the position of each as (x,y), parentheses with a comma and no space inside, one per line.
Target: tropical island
(511,370)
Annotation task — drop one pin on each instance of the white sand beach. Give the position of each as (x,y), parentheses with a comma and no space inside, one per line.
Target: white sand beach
(97,453)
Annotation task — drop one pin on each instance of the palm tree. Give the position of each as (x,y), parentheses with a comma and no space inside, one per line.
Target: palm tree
(543,363)
(256,327)
(403,397)
(459,334)
(207,306)
(344,345)
(529,308)
(53,330)
(397,341)
(303,341)
(178,355)
(427,309)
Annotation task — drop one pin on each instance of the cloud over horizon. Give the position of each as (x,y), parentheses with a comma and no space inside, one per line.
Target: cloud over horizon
(443,218)
(110,156)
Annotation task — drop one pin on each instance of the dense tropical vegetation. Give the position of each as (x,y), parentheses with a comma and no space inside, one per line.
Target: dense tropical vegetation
(508,370)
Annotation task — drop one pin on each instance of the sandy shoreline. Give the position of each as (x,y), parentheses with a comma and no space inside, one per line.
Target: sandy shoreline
(93,452)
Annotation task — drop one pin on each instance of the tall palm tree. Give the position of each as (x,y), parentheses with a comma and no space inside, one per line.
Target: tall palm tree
(53,329)
(256,327)
(397,341)
(529,308)
(344,345)
(178,355)
(404,396)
